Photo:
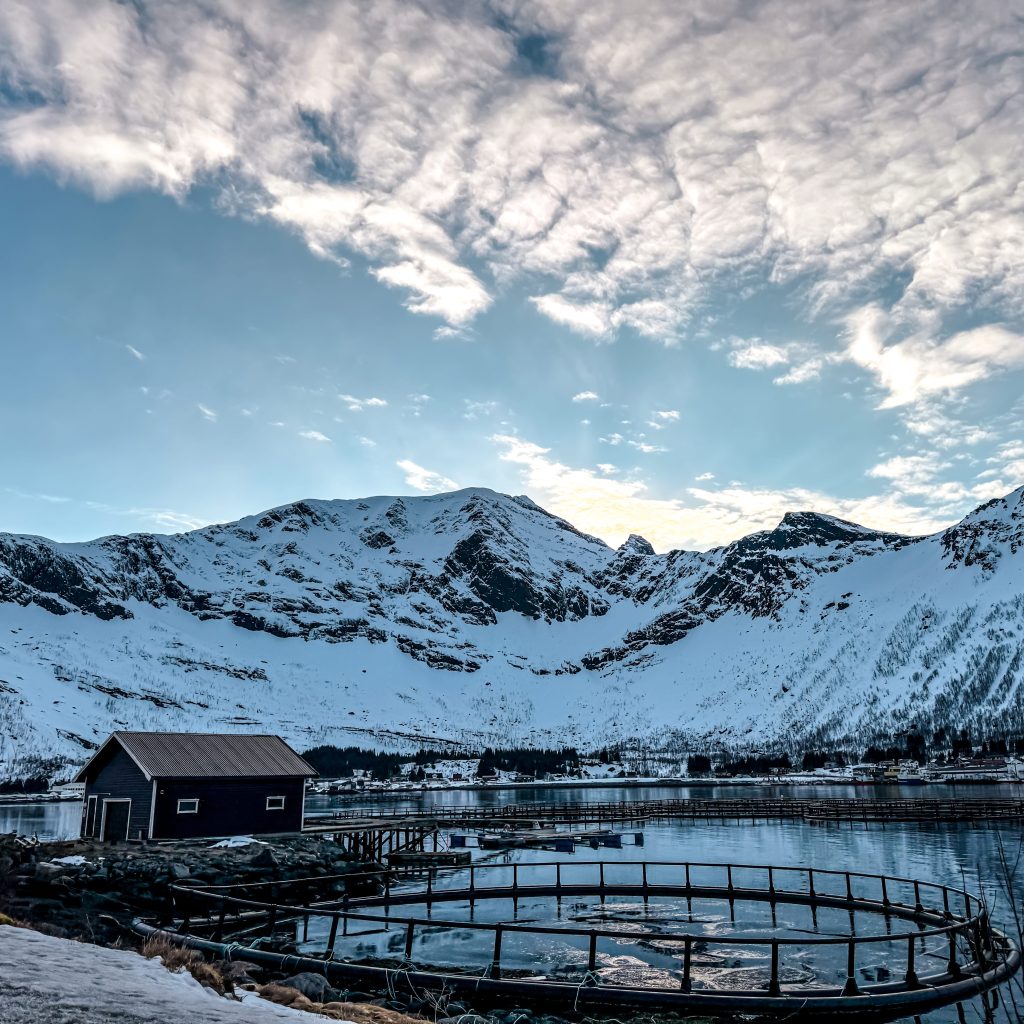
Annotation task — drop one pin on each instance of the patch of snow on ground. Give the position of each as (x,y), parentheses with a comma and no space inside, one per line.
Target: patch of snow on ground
(236,841)
(92,983)
(76,861)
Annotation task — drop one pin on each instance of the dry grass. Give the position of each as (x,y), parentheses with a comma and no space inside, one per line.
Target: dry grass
(180,958)
(358,1013)
(367,1013)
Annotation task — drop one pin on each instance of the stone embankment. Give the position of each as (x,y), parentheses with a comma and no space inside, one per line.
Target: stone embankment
(89,890)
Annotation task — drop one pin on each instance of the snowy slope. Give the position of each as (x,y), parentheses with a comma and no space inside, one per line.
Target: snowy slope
(477,617)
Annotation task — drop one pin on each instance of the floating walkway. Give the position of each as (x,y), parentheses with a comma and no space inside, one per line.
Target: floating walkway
(911,946)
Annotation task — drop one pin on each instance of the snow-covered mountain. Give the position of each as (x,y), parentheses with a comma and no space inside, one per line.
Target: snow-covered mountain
(478,617)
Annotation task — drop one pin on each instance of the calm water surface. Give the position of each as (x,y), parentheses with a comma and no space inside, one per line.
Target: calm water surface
(949,853)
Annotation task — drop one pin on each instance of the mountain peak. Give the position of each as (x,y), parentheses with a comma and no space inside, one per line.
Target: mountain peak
(634,544)
(798,529)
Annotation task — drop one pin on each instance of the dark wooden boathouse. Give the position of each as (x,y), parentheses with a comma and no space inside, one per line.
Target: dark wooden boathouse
(179,785)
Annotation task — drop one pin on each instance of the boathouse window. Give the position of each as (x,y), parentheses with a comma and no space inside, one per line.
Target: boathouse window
(188,806)
(275,803)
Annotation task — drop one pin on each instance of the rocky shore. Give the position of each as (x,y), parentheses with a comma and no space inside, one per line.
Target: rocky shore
(91,891)
(84,889)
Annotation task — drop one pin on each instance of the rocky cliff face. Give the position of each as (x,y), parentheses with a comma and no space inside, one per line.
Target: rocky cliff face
(478,615)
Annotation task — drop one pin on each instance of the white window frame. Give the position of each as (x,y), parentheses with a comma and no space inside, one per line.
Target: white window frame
(189,800)
(276,806)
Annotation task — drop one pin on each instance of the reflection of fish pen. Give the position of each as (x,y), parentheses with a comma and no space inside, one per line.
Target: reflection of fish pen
(559,840)
(682,937)
(867,809)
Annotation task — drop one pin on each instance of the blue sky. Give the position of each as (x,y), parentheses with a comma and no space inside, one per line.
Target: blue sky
(667,270)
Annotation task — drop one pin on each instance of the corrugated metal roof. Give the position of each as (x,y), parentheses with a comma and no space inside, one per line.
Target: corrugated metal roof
(189,755)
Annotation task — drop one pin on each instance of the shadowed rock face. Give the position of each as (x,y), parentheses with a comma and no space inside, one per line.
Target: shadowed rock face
(332,570)
(990,533)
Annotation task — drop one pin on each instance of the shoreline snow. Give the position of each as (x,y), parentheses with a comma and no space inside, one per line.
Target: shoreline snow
(86,984)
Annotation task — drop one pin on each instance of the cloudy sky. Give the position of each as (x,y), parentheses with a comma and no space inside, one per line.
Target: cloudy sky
(668,267)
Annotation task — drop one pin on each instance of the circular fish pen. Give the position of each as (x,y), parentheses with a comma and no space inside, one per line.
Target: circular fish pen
(597,936)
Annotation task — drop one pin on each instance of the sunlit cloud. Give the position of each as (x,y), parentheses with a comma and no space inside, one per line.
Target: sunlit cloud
(919,367)
(628,190)
(314,435)
(135,353)
(206,412)
(425,480)
(613,509)
(586,396)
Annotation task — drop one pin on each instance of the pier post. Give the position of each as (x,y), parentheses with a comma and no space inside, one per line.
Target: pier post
(911,975)
(774,988)
(851,988)
(495,968)
(951,965)
(686,984)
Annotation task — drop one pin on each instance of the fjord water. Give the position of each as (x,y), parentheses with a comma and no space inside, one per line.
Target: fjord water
(955,854)
(962,855)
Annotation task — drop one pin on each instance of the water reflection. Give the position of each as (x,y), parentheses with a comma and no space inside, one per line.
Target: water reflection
(953,854)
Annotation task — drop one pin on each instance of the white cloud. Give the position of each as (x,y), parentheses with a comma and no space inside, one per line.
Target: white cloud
(161,518)
(367,442)
(829,146)
(920,367)
(133,351)
(920,475)
(646,447)
(586,396)
(592,318)
(661,418)
(314,435)
(425,480)
(614,508)
(354,404)
(418,402)
(800,373)
(804,361)
(206,412)
(704,476)
(758,356)
(474,410)
(49,499)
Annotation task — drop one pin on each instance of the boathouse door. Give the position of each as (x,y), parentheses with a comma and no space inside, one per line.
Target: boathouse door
(115,820)
(90,818)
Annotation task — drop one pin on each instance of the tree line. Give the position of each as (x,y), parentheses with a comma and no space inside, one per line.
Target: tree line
(342,762)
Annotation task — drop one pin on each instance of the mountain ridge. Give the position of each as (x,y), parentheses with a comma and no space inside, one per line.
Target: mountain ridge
(482,616)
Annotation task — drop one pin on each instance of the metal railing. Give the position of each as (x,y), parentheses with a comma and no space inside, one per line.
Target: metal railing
(975,955)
